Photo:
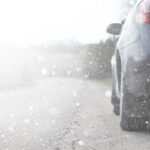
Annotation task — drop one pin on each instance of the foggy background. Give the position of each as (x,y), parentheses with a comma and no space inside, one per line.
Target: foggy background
(41,39)
(55,76)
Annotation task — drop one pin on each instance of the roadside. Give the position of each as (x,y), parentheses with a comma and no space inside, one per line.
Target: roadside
(63,114)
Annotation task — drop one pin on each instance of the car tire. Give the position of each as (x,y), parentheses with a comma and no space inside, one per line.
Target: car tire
(133,123)
(128,123)
(116,103)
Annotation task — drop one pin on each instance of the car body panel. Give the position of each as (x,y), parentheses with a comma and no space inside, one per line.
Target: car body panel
(134,50)
(130,32)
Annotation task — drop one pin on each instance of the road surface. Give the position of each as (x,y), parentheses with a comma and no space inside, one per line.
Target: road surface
(63,114)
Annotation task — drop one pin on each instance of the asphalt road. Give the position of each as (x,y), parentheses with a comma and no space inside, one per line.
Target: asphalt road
(63,114)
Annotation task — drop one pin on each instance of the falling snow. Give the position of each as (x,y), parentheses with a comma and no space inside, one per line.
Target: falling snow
(55,98)
(44,71)
(108,93)
(77,104)
(80,143)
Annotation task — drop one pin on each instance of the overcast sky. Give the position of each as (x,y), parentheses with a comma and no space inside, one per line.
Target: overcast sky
(25,22)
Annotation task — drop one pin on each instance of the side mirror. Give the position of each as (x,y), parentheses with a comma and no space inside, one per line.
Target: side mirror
(114,28)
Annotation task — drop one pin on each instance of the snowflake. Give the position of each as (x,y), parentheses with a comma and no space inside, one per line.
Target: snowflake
(147,122)
(135,70)
(89,53)
(53,73)
(79,69)
(126,136)
(148,80)
(43,98)
(108,93)
(53,122)
(11,129)
(90,62)
(36,123)
(54,111)
(53,66)
(12,115)
(58,112)
(101,66)
(68,72)
(40,58)
(80,143)
(26,121)
(7,69)
(77,104)
(74,94)
(45,45)
(86,76)
(83,116)
(2,135)
(31,108)
(113,62)
(44,71)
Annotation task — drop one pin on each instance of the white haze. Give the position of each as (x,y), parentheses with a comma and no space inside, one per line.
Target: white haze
(30,22)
